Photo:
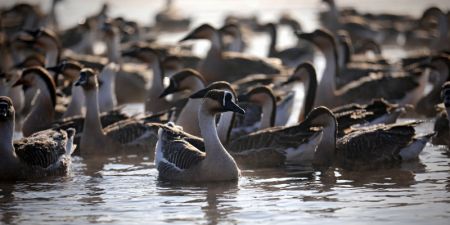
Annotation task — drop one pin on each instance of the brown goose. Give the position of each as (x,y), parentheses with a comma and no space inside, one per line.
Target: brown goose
(46,153)
(402,87)
(153,103)
(39,86)
(367,147)
(130,136)
(378,111)
(442,124)
(290,57)
(426,105)
(220,65)
(180,157)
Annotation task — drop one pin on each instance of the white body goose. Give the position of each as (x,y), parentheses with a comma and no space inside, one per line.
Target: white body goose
(45,153)
(127,136)
(183,158)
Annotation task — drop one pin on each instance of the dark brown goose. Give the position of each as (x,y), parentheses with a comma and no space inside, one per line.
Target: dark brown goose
(378,111)
(369,147)
(46,153)
(220,65)
(181,157)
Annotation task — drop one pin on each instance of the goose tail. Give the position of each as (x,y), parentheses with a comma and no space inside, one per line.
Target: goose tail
(413,150)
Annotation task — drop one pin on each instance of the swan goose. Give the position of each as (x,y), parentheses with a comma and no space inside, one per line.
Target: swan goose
(45,153)
(221,65)
(401,87)
(378,111)
(130,136)
(179,158)
(368,147)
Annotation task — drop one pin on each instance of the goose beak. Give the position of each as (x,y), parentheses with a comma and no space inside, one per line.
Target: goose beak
(188,37)
(55,69)
(82,80)
(4,110)
(305,36)
(289,81)
(233,107)
(20,82)
(129,53)
(172,88)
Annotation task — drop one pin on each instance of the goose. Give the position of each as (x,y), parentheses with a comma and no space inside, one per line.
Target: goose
(187,80)
(130,136)
(368,147)
(179,157)
(39,86)
(220,65)
(403,88)
(378,111)
(290,57)
(7,81)
(233,38)
(426,105)
(45,153)
(169,19)
(442,124)
(153,103)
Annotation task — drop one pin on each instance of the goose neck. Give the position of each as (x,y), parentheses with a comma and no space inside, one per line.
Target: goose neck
(324,155)
(92,125)
(224,126)
(158,77)
(327,85)
(113,48)
(213,146)
(6,139)
(76,103)
(51,56)
(273,40)
(310,85)
(268,113)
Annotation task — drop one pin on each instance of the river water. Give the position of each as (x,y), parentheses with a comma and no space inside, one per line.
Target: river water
(126,190)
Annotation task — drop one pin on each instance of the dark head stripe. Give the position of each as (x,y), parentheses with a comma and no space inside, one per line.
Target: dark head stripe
(45,76)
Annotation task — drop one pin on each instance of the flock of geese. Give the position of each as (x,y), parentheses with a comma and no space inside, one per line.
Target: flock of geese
(207,117)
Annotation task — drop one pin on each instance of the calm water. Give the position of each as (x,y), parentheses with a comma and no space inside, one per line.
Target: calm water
(127,191)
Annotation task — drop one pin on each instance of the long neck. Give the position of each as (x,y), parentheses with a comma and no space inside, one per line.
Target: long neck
(113,48)
(158,75)
(310,85)
(51,57)
(326,149)
(273,40)
(107,94)
(224,126)
(76,103)
(268,114)
(327,85)
(42,114)
(92,126)
(334,13)
(443,32)
(216,41)
(187,118)
(6,140)
(213,146)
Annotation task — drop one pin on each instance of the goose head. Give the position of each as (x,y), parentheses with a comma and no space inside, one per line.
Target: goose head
(323,39)
(220,85)
(44,39)
(217,101)
(68,68)
(445,95)
(321,117)
(6,109)
(262,96)
(110,30)
(204,31)
(88,80)
(303,72)
(172,64)
(184,80)
(231,29)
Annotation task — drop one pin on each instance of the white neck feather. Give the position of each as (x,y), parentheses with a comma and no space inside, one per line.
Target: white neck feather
(107,94)
(327,84)
(267,110)
(92,131)
(76,103)
(224,126)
